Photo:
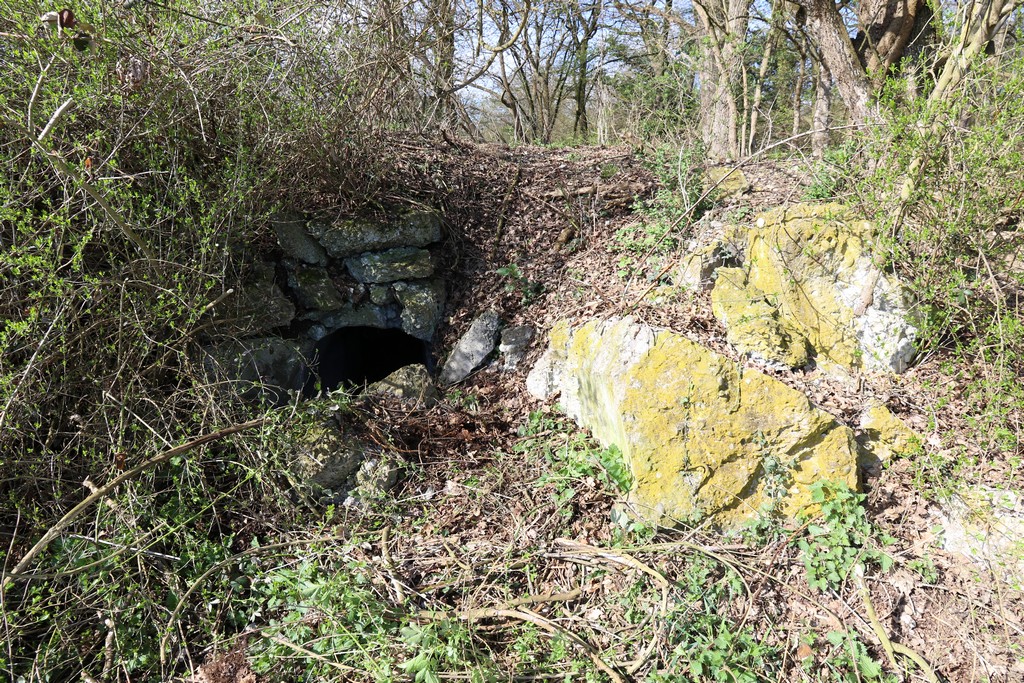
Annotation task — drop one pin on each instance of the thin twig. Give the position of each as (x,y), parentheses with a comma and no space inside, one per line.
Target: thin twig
(54,531)
(53,120)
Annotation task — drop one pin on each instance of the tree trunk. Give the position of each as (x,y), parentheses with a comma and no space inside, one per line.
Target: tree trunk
(840,58)
(725,24)
(886,27)
(762,72)
(798,96)
(822,109)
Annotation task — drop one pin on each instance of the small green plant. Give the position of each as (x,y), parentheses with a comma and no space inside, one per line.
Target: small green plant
(853,663)
(464,400)
(831,174)
(529,289)
(925,568)
(707,644)
(441,647)
(841,539)
(572,456)
(665,218)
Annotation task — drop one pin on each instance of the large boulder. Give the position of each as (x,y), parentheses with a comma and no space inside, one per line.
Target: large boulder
(314,289)
(703,436)
(883,437)
(753,323)
(986,526)
(324,456)
(346,469)
(810,264)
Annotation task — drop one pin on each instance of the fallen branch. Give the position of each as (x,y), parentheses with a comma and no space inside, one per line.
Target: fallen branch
(890,647)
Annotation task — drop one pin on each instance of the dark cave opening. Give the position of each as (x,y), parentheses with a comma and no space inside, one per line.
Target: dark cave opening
(352,357)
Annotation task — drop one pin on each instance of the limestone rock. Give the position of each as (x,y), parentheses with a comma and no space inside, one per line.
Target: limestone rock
(412,382)
(266,368)
(351,315)
(811,264)
(515,341)
(314,289)
(376,476)
(261,305)
(703,436)
(296,242)
(422,302)
(727,181)
(382,295)
(752,324)
(351,236)
(472,349)
(884,436)
(696,270)
(403,263)
(325,457)
(986,526)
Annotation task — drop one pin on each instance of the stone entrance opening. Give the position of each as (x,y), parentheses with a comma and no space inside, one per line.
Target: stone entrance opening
(352,357)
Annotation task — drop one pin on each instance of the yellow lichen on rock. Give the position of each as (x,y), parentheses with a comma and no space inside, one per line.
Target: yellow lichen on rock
(703,436)
(885,436)
(726,181)
(810,264)
(752,323)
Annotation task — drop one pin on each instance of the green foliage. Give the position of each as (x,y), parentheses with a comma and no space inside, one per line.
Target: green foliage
(665,219)
(955,237)
(832,173)
(528,289)
(326,604)
(853,663)
(443,646)
(656,107)
(841,540)
(572,457)
(707,643)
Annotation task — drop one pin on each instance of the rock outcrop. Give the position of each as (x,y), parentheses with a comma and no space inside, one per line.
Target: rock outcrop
(726,181)
(986,526)
(411,383)
(473,348)
(808,288)
(329,275)
(267,369)
(883,436)
(703,436)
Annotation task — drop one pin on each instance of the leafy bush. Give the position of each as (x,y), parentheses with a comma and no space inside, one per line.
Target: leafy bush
(147,145)
(954,232)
